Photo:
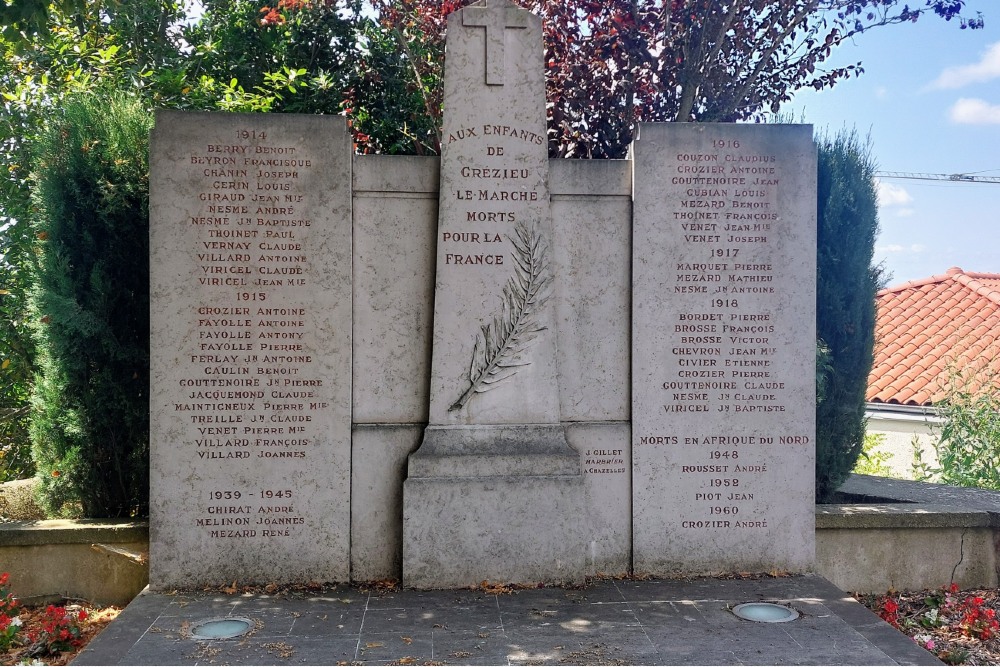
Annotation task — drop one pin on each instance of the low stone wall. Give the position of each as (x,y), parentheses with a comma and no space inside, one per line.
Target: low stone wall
(875,548)
(908,535)
(892,535)
(101,561)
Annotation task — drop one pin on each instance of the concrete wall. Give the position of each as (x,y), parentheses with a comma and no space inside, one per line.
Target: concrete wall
(860,548)
(899,430)
(104,562)
(909,546)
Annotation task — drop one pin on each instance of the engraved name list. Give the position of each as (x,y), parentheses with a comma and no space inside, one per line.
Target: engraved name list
(246,381)
(720,401)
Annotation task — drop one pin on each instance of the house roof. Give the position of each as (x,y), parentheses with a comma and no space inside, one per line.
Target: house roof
(926,330)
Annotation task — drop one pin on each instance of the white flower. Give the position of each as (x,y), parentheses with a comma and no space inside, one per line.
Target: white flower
(16,622)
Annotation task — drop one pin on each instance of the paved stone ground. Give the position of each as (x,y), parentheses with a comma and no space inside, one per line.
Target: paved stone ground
(661,622)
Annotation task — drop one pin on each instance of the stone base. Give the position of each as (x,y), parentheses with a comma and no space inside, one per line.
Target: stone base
(458,532)
(490,451)
(504,504)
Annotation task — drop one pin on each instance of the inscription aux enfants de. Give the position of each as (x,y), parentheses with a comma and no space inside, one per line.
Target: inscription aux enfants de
(484,190)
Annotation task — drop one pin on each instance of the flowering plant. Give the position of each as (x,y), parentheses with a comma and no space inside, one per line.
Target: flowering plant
(953,624)
(54,630)
(889,612)
(976,620)
(10,622)
(60,631)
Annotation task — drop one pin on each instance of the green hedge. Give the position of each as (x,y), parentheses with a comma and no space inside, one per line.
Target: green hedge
(90,309)
(845,303)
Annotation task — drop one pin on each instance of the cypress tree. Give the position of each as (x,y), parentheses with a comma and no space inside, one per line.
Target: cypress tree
(90,309)
(845,303)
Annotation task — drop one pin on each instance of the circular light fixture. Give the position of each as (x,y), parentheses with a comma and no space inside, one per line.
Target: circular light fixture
(765,612)
(221,628)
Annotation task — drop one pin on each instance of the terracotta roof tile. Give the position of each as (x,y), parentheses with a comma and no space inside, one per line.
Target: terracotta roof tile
(928,329)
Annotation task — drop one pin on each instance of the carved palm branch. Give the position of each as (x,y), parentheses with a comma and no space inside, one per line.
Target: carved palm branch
(500,344)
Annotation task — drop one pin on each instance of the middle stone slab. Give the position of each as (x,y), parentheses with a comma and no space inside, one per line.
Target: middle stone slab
(494,452)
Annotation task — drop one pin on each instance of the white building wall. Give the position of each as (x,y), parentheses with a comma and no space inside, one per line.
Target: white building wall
(901,427)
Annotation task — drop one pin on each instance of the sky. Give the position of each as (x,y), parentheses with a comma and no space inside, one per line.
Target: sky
(930,101)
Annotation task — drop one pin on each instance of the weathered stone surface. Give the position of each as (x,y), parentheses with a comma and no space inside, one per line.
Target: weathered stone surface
(605,453)
(250,236)
(591,219)
(874,560)
(494,246)
(395,220)
(723,365)
(514,528)
(379,453)
(495,490)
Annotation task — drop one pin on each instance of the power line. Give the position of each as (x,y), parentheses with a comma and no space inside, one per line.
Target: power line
(954,178)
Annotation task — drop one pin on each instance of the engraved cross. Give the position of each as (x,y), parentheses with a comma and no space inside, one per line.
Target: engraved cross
(496,16)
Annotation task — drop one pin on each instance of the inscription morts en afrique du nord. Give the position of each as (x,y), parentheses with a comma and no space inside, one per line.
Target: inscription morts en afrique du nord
(723,383)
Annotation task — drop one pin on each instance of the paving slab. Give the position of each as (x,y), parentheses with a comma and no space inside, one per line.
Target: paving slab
(653,622)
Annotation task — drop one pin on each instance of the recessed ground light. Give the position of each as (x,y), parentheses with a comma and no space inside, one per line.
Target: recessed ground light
(221,628)
(765,612)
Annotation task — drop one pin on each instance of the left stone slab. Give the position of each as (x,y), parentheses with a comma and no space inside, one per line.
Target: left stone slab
(250,397)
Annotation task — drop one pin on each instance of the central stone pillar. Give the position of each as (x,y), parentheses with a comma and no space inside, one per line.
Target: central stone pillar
(494,491)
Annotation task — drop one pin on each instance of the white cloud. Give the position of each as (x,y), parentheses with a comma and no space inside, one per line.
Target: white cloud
(987,69)
(972,111)
(881,93)
(890,194)
(896,249)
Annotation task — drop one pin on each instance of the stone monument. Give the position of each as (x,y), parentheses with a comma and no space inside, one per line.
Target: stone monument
(723,353)
(492,366)
(250,237)
(495,491)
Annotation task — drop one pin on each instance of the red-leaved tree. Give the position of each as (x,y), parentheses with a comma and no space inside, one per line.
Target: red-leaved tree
(612,63)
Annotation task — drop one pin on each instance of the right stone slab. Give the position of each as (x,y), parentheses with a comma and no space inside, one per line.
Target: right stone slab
(723,348)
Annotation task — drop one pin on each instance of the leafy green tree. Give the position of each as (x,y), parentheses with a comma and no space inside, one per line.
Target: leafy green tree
(49,52)
(968,440)
(846,284)
(293,57)
(16,356)
(90,308)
